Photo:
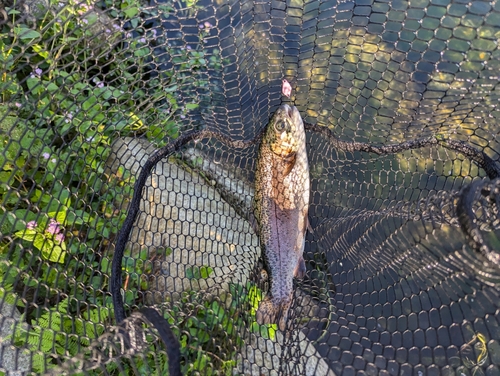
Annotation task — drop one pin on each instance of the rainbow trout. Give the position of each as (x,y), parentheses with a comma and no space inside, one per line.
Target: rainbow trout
(282,204)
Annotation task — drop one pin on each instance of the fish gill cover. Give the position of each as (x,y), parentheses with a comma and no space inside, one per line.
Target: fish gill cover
(168,101)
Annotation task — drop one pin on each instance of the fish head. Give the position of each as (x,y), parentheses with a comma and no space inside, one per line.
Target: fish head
(285,132)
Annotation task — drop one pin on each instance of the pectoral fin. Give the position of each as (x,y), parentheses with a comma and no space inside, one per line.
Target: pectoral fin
(309,228)
(300,269)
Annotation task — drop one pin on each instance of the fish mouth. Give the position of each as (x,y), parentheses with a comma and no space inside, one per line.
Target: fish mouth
(288,110)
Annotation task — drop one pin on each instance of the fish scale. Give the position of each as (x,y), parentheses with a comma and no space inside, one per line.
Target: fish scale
(282,190)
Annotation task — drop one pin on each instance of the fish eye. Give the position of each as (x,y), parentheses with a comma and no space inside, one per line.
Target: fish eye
(280,126)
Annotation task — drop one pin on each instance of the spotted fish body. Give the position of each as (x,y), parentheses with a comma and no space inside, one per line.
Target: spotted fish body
(282,204)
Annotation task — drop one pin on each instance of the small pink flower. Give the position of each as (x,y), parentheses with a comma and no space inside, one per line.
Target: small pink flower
(46,155)
(84,8)
(31,225)
(60,238)
(53,227)
(286,88)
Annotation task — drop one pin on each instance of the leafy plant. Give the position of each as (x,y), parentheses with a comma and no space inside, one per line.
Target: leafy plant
(58,331)
(211,332)
(197,272)
(47,235)
(211,329)
(63,101)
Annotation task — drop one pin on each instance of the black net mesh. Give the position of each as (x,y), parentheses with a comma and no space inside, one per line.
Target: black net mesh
(400,101)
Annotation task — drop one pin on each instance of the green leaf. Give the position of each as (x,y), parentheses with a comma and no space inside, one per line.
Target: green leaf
(141,52)
(40,50)
(89,103)
(166,8)
(170,89)
(106,94)
(201,362)
(78,217)
(52,87)
(7,295)
(192,106)
(26,33)
(34,84)
(105,265)
(53,252)
(20,217)
(200,335)
(272,329)
(267,331)
(205,271)
(13,11)
(129,297)
(39,242)
(254,296)
(198,272)
(134,22)
(60,216)
(92,19)
(117,93)
(155,132)
(61,73)
(131,11)
(28,235)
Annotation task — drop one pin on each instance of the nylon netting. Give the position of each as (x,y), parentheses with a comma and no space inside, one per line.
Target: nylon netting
(400,101)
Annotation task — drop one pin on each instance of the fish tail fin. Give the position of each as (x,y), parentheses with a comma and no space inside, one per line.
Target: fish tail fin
(272,311)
